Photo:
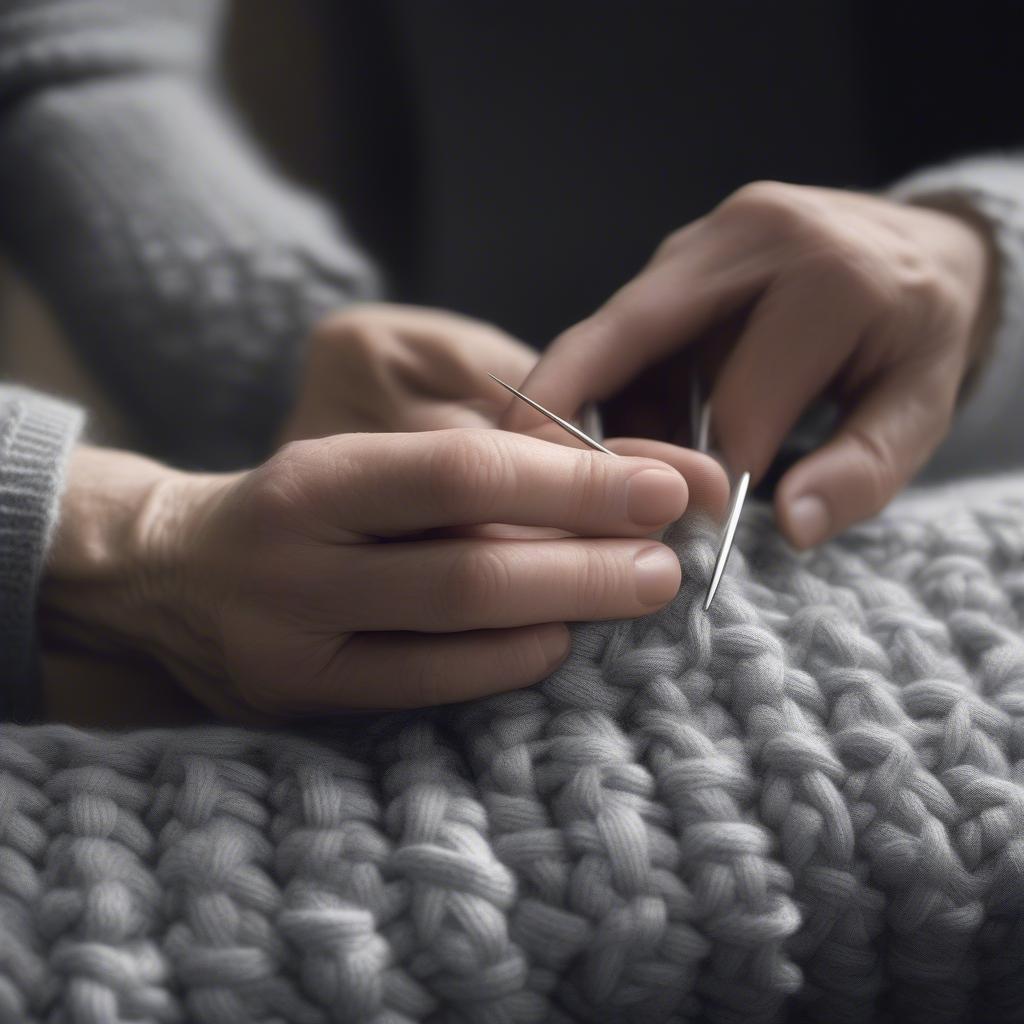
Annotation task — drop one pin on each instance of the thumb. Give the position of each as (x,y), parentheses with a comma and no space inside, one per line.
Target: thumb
(657,313)
(878,448)
(565,377)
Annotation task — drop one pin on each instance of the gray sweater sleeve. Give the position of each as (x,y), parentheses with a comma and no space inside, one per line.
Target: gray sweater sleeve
(185,271)
(36,435)
(988,433)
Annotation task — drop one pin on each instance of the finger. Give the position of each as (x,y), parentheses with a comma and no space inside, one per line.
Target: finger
(386,485)
(799,335)
(663,309)
(706,480)
(449,586)
(878,448)
(384,671)
(460,352)
(495,531)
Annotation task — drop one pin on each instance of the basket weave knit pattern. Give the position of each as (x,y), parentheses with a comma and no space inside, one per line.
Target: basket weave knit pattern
(808,804)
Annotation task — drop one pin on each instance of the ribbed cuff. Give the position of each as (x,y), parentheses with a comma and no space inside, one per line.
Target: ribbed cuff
(987,432)
(36,437)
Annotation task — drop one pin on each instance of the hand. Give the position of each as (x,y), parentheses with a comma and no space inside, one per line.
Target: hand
(383,368)
(799,291)
(389,368)
(324,579)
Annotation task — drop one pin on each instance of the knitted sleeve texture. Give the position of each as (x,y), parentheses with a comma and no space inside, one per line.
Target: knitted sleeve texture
(989,430)
(184,269)
(36,435)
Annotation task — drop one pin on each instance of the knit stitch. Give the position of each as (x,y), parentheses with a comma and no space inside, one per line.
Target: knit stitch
(805,805)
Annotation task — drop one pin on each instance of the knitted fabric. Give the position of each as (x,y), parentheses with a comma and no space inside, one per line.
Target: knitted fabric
(184,269)
(807,804)
(36,435)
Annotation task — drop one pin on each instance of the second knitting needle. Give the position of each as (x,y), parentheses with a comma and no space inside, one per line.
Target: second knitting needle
(738,497)
(700,420)
(564,424)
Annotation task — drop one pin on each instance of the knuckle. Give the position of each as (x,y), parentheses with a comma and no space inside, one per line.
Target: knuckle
(290,456)
(762,192)
(839,268)
(371,347)
(595,576)
(343,322)
(673,242)
(279,482)
(589,485)
(880,473)
(772,205)
(930,291)
(358,340)
(466,471)
(476,584)
(283,491)
(297,461)
(332,332)
(935,409)
(819,236)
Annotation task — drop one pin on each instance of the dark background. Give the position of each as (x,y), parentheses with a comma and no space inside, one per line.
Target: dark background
(519,161)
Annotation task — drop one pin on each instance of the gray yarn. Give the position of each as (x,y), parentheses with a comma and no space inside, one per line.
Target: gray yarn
(808,805)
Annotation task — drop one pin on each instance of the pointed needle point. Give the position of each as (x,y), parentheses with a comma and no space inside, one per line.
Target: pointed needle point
(739,495)
(564,424)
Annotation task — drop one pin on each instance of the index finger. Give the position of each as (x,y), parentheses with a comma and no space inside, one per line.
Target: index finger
(660,311)
(387,485)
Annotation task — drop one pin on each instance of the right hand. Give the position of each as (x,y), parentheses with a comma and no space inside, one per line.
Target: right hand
(329,578)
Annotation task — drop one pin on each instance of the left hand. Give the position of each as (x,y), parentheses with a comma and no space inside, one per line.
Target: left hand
(796,290)
(390,368)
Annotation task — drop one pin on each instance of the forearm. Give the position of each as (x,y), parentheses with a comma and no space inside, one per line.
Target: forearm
(184,269)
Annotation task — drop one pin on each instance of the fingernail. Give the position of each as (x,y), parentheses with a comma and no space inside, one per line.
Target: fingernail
(657,575)
(808,520)
(655,496)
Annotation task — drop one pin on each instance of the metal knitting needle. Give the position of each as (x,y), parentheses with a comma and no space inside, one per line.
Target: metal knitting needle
(703,427)
(564,424)
(700,416)
(701,431)
(738,497)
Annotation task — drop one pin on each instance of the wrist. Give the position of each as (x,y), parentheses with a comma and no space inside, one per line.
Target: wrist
(113,578)
(978,262)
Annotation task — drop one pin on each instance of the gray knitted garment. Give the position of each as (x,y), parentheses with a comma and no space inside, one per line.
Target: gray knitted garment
(808,804)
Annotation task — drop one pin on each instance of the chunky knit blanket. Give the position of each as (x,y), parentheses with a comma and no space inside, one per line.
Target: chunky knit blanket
(808,804)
